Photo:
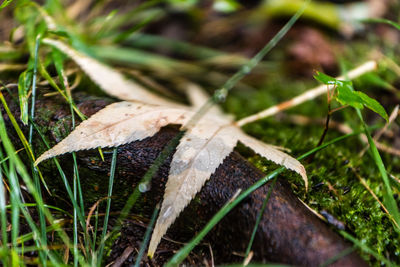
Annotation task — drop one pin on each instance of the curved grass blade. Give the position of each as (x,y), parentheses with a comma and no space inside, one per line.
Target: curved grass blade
(184,252)
(58,62)
(35,174)
(146,237)
(5,4)
(365,248)
(389,200)
(17,166)
(22,137)
(259,217)
(384,21)
(3,210)
(107,215)
(219,96)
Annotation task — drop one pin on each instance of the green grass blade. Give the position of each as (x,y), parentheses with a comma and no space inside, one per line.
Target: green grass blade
(22,137)
(146,237)
(14,200)
(109,194)
(65,181)
(384,21)
(53,84)
(35,174)
(259,217)
(144,182)
(5,4)
(75,223)
(3,216)
(146,41)
(45,205)
(124,35)
(58,62)
(96,224)
(17,165)
(39,201)
(33,101)
(365,248)
(184,252)
(31,236)
(388,197)
(337,257)
(221,94)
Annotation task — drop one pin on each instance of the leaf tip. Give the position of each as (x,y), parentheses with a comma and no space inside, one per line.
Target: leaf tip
(43,157)
(303,174)
(152,247)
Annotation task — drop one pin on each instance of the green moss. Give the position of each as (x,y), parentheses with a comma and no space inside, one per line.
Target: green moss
(334,186)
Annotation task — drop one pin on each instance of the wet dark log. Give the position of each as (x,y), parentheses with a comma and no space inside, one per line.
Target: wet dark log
(288,233)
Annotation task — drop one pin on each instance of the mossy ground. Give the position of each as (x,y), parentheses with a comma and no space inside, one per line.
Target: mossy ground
(334,185)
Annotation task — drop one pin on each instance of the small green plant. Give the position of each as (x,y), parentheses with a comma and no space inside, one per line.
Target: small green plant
(345,94)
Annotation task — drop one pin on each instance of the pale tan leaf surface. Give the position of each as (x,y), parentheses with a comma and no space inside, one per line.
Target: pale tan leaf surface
(111,81)
(198,155)
(273,154)
(202,149)
(118,124)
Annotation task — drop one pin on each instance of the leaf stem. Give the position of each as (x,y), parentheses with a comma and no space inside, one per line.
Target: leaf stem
(308,95)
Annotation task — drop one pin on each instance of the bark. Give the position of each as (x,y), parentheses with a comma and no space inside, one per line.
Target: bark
(288,232)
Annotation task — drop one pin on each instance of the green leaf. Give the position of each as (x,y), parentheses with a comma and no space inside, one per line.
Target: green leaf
(325,79)
(328,80)
(348,97)
(373,105)
(5,3)
(24,83)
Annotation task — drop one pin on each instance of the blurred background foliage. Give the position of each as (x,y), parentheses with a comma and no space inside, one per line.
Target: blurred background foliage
(163,44)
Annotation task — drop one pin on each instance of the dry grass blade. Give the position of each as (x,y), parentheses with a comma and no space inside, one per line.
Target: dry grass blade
(364,183)
(308,95)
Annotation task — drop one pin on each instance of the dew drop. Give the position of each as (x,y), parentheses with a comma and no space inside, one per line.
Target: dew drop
(221,95)
(246,69)
(167,212)
(144,187)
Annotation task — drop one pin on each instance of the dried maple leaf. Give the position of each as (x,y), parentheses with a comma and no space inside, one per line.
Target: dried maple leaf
(199,153)
(117,124)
